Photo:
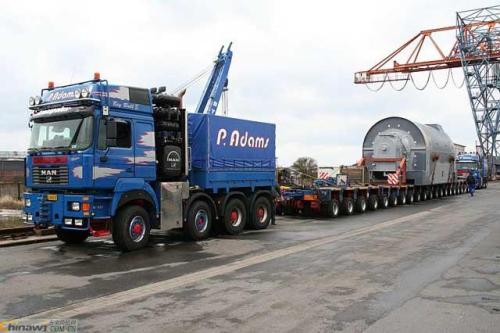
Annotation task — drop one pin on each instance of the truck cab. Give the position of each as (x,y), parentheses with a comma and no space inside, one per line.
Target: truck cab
(472,163)
(111,159)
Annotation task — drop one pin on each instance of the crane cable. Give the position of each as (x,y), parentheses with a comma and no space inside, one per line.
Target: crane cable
(190,82)
(411,78)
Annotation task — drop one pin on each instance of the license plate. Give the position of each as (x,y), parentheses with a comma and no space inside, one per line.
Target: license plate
(52,197)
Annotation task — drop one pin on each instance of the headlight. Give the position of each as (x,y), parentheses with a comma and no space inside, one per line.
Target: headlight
(38,100)
(27,202)
(77,93)
(78,222)
(68,221)
(32,101)
(75,206)
(85,93)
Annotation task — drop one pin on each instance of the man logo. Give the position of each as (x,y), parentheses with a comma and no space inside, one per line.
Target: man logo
(46,172)
(49,179)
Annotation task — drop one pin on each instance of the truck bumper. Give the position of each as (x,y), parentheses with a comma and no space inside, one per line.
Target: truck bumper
(68,211)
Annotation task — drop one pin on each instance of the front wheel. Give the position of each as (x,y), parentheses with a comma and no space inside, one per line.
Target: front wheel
(131,228)
(261,213)
(71,236)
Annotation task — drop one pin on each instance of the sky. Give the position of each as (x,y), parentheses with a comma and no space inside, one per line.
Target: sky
(293,62)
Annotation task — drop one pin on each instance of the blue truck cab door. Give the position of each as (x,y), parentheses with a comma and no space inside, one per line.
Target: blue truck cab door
(114,157)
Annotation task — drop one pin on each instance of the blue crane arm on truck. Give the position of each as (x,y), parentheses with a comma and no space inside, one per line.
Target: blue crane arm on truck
(473,163)
(111,159)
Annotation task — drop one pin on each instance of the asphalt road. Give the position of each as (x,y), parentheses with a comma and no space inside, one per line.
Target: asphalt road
(429,267)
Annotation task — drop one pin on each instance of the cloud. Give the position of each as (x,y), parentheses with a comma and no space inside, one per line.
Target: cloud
(293,63)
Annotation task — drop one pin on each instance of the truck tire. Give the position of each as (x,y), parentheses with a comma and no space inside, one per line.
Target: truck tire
(261,213)
(71,236)
(402,198)
(361,204)
(416,196)
(347,206)
(331,209)
(384,201)
(373,202)
(410,198)
(131,228)
(199,221)
(235,216)
(393,200)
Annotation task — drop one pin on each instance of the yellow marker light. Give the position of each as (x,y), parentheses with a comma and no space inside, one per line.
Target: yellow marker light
(52,197)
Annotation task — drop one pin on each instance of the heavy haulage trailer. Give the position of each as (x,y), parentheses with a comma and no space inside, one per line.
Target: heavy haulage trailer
(112,159)
(406,162)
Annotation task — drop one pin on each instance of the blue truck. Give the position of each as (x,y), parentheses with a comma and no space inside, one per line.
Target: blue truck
(473,163)
(112,159)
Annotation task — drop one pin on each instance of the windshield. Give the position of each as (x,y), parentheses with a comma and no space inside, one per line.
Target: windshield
(66,133)
(466,165)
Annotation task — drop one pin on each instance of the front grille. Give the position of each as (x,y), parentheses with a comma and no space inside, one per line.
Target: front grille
(54,175)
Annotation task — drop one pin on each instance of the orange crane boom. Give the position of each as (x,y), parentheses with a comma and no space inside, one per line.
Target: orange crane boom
(398,65)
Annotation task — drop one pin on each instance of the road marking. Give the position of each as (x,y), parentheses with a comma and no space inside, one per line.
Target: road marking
(108,301)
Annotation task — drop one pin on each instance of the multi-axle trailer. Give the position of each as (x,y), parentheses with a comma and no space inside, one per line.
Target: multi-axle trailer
(330,201)
(405,161)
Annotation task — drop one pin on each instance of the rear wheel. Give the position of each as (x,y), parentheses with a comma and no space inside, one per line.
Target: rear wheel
(417,196)
(373,202)
(235,216)
(71,237)
(131,228)
(402,198)
(384,201)
(331,209)
(261,213)
(361,204)
(409,198)
(199,221)
(393,200)
(347,206)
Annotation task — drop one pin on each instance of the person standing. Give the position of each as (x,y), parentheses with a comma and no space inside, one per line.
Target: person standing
(471,183)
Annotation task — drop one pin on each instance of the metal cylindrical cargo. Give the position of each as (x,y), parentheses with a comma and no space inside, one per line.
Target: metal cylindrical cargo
(426,151)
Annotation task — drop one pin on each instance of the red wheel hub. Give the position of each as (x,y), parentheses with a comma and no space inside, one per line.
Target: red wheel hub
(260,212)
(137,229)
(234,215)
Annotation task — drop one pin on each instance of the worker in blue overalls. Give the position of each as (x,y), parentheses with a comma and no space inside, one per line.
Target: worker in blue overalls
(471,183)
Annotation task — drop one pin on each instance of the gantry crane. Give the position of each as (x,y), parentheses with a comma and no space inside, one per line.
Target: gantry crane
(476,50)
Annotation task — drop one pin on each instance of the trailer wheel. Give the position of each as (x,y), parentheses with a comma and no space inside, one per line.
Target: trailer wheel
(402,198)
(417,196)
(331,209)
(384,201)
(347,206)
(361,204)
(71,236)
(373,202)
(393,200)
(235,216)
(261,213)
(131,228)
(409,198)
(199,221)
